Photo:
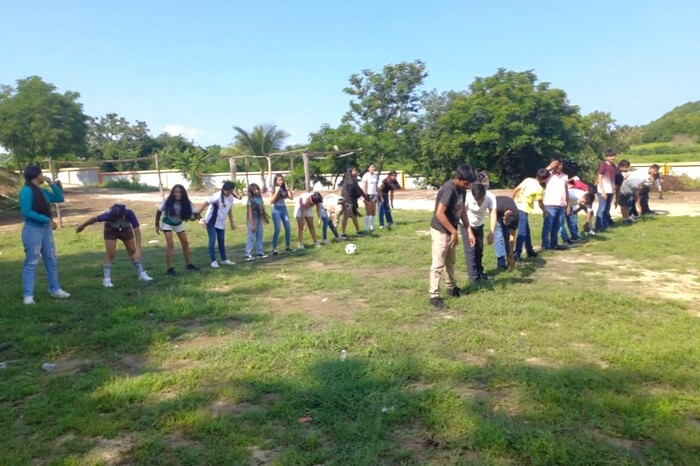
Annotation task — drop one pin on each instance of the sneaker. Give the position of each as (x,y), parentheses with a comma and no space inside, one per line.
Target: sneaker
(325,241)
(454,292)
(361,233)
(144,277)
(262,256)
(60,294)
(632,217)
(228,262)
(191,267)
(560,247)
(275,252)
(214,265)
(388,227)
(519,263)
(249,258)
(288,249)
(381,227)
(300,246)
(532,254)
(171,271)
(28,300)
(317,244)
(343,237)
(591,233)
(438,303)
(107,283)
(484,278)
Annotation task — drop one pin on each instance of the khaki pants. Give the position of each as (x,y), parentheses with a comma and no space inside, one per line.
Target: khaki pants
(443,258)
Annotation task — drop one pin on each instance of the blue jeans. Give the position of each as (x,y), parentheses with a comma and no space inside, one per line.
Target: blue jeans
(256,237)
(499,248)
(280,214)
(38,240)
(328,223)
(602,216)
(523,237)
(550,226)
(572,224)
(215,235)
(385,211)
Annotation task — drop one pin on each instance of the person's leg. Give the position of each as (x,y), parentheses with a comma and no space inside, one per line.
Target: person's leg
(450,260)
(185,243)
(221,239)
(572,223)
(468,253)
(333,228)
(211,233)
(48,254)
(439,246)
(324,230)
(356,223)
(506,241)
(259,237)
(31,240)
(345,224)
(110,253)
(479,250)
(312,228)
(608,206)
(600,220)
(528,241)
(300,231)
(276,221)
(547,223)
(169,247)
(382,210)
(522,233)
(372,214)
(287,228)
(562,231)
(389,216)
(498,246)
(250,239)
(556,223)
(135,255)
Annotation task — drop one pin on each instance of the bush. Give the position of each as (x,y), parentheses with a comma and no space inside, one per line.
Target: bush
(130,185)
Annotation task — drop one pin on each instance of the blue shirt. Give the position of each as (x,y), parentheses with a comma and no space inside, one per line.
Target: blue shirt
(26,202)
(130,220)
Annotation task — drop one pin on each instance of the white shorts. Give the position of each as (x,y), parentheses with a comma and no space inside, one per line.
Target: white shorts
(176,228)
(300,212)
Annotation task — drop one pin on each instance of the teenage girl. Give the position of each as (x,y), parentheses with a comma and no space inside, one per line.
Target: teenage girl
(178,209)
(351,192)
(254,220)
(120,224)
(37,232)
(370,180)
(219,207)
(280,193)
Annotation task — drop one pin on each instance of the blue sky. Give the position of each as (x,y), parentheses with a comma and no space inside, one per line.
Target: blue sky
(199,68)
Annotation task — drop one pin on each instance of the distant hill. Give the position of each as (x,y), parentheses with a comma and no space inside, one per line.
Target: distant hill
(682,122)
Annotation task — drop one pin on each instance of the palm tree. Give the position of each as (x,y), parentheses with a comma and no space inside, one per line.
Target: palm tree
(262,141)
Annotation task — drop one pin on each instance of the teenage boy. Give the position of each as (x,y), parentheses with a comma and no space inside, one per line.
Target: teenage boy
(606,189)
(507,220)
(633,184)
(555,199)
(449,209)
(525,195)
(579,200)
(386,199)
(478,203)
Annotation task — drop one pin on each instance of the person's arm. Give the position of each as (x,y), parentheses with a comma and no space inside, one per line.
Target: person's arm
(511,250)
(516,190)
(568,204)
(472,236)
(391,198)
(56,193)
(86,223)
(275,195)
(158,214)
(204,205)
(26,202)
(493,217)
(442,218)
(658,185)
(250,218)
(230,218)
(290,194)
(599,184)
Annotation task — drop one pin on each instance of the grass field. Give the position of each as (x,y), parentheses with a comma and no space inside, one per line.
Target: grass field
(658,152)
(589,356)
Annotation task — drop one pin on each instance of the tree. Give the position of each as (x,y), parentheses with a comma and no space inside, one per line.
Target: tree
(385,108)
(38,122)
(508,124)
(112,137)
(600,133)
(262,141)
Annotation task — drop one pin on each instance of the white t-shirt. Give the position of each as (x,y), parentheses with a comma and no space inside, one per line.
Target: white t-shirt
(477,214)
(372,180)
(304,211)
(555,192)
(224,207)
(574,196)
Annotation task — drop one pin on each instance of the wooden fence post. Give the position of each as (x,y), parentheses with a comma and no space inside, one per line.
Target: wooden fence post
(307,171)
(160,182)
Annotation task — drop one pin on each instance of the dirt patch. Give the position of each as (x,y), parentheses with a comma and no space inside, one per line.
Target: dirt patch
(131,364)
(319,306)
(110,451)
(541,362)
(585,351)
(634,447)
(417,440)
(259,457)
(226,407)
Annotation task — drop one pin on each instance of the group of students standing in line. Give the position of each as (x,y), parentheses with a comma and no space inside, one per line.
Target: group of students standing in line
(462,204)
(121,223)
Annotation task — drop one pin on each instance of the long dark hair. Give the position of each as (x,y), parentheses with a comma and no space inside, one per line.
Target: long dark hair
(185,204)
(117,212)
(228,185)
(283,188)
(258,208)
(39,204)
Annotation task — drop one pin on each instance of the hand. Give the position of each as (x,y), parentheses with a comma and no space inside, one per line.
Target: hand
(604,196)
(58,183)
(489,238)
(79,228)
(54,225)
(568,210)
(233,227)
(157,230)
(454,239)
(472,239)
(511,261)
(252,229)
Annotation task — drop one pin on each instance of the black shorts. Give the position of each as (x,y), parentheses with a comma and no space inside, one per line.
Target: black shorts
(350,209)
(124,234)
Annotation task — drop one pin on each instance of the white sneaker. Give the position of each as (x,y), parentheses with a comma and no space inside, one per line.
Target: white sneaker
(300,246)
(60,294)
(262,256)
(214,265)
(28,300)
(317,244)
(107,283)
(325,241)
(143,277)
(228,262)
(249,258)
(632,217)
(275,252)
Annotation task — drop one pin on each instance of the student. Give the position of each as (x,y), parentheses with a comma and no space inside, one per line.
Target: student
(449,209)
(507,220)
(304,212)
(579,200)
(280,194)
(386,199)
(653,173)
(37,232)
(255,218)
(327,211)
(606,189)
(370,181)
(477,204)
(351,192)
(178,209)
(219,207)
(120,224)
(525,195)
(555,200)
(633,184)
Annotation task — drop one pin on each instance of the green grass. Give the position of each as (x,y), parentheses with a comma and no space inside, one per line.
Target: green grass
(555,363)
(658,152)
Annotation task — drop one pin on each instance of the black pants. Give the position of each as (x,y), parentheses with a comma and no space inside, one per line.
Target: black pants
(473,255)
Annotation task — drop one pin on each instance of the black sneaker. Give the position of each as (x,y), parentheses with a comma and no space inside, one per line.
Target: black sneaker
(361,233)
(287,249)
(532,254)
(438,303)
(191,267)
(343,237)
(454,292)
(561,247)
(483,277)
(171,271)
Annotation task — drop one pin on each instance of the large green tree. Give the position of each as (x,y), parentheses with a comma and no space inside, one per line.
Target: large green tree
(37,122)
(262,141)
(508,123)
(112,137)
(385,108)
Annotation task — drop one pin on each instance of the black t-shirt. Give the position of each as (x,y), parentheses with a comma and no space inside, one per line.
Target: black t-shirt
(388,185)
(453,199)
(504,203)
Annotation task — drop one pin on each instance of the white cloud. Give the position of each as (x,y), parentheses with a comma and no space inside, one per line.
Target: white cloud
(184,131)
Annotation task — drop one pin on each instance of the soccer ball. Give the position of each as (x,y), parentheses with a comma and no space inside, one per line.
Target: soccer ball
(350,248)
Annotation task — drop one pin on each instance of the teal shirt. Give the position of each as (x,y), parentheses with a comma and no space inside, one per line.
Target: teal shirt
(26,199)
